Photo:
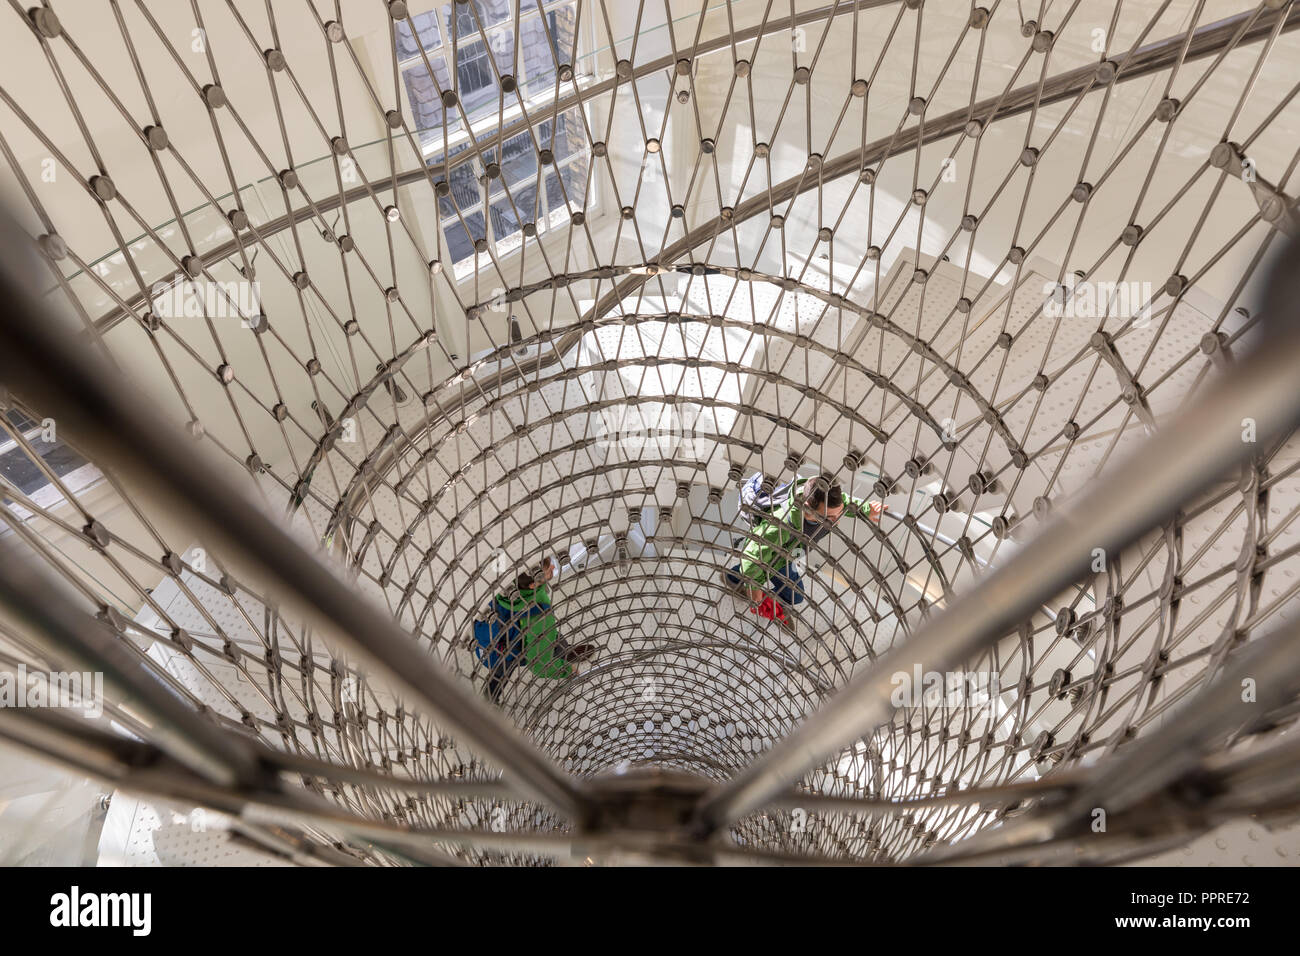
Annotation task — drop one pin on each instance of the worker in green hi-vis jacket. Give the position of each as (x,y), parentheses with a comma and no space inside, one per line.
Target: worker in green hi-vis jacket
(522,627)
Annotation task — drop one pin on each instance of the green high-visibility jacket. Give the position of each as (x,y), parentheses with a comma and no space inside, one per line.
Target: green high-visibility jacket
(529,617)
(776,536)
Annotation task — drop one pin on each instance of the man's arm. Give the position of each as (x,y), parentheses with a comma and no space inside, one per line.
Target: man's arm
(862,508)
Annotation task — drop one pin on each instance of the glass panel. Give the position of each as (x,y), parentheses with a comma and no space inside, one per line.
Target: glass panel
(480,30)
(474,75)
(460,244)
(490,13)
(20,421)
(465,24)
(426,27)
(478,88)
(554,197)
(538,56)
(520,161)
(423,97)
(504,221)
(502,43)
(465,189)
(17,466)
(570,137)
(507,220)
(575,181)
(563,23)
(526,202)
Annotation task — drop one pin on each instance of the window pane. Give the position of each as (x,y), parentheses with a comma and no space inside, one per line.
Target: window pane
(473,71)
(423,97)
(20,422)
(465,24)
(17,466)
(570,137)
(546,41)
(502,44)
(554,197)
(465,189)
(526,202)
(429,37)
(563,22)
(520,162)
(460,244)
(478,85)
(490,13)
(575,182)
(539,61)
(506,220)
(474,43)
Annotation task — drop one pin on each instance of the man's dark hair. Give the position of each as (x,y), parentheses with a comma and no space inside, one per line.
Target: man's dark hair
(529,578)
(821,492)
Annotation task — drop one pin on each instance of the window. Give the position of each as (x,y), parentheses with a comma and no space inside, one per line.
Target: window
(526,193)
(18,468)
(452,39)
(465,42)
(545,42)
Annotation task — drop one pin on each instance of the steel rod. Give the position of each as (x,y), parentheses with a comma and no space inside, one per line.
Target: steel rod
(1195,449)
(334,200)
(45,364)
(75,638)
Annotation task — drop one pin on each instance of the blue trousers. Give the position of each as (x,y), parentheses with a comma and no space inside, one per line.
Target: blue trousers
(785,583)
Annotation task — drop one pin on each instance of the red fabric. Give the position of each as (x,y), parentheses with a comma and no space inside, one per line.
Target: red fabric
(769,609)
